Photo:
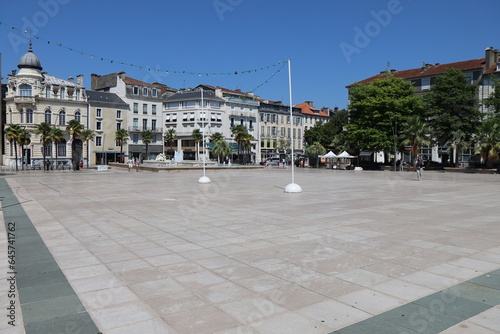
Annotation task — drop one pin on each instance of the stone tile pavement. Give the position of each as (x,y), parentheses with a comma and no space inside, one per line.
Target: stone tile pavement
(354,252)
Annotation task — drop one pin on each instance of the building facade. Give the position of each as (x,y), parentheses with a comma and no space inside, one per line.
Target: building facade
(34,97)
(107,113)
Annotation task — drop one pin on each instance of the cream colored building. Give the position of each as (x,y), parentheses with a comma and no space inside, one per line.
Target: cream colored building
(35,97)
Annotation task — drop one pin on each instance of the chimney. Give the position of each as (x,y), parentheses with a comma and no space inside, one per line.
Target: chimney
(79,79)
(490,57)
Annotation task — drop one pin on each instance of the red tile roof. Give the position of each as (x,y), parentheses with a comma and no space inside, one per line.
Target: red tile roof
(430,70)
(309,109)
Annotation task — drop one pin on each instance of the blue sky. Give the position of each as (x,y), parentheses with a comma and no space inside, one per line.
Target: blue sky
(331,43)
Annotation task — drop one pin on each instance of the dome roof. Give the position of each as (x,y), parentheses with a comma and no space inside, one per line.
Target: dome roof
(30,60)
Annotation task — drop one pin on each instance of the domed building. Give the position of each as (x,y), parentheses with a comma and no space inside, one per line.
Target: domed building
(34,97)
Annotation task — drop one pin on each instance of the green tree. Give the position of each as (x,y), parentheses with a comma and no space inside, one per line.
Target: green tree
(12,134)
(453,106)
(24,140)
(147,138)
(489,140)
(75,129)
(170,137)
(494,98)
(313,151)
(222,150)
(88,135)
(376,109)
(43,130)
(415,133)
(57,136)
(121,137)
(197,137)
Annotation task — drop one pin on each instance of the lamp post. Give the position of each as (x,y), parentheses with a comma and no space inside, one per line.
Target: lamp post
(204,178)
(291,187)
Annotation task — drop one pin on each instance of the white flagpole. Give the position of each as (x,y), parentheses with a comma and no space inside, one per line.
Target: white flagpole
(204,178)
(292,187)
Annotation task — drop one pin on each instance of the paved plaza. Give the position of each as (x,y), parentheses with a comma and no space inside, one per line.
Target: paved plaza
(123,252)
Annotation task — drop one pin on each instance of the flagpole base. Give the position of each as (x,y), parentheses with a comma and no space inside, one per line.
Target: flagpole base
(204,179)
(293,188)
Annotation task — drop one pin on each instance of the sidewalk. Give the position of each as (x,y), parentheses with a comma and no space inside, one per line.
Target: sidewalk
(160,253)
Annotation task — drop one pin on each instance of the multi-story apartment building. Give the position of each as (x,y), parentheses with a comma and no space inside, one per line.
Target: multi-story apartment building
(35,97)
(145,114)
(107,113)
(479,72)
(274,129)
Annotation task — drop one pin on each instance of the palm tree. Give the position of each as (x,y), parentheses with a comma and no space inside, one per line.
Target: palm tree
(313,151)
(170,136)
(489,139)
(13,133)
(24,139)
(121,137)
(147,138)
(222,150)
(56,135)
(75,129)
(87,135)
(415,133)
(44,129)
(217,136)
(197,137)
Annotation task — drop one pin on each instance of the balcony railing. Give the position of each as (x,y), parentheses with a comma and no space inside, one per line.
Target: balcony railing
(142,128)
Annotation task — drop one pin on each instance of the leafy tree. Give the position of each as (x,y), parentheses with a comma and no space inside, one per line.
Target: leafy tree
(197,137)
(489,140)
(313,151)
(44,130)
(453,106)
(121,137)
(88,135)
(13,133)
(147,138)
(494,98)
(376,109)
(415,133)
(56,135)
(24,139)
(170,137)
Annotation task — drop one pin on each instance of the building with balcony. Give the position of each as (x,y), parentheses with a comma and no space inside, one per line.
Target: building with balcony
(145,110)
(35,97)
(107,113)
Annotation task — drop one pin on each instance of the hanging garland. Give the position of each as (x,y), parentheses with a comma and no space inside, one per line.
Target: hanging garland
(83,53)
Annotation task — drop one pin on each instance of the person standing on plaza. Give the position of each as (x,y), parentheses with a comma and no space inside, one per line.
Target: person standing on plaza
(418,167)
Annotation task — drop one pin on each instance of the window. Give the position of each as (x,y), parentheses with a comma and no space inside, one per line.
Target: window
(47,92)
(62,93)
(48,116)
(119,114)
(136,108)
(25,90)
(61,148)
(98,113)
(426,83)
(144,91)
(98,141)
(154,92)
(29,116)
(153,109)
(78,116)
(145,109)
(98,125)
(153,125)
(136,90)
(62,117)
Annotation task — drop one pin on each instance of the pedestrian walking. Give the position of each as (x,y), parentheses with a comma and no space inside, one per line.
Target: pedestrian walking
(418,167)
